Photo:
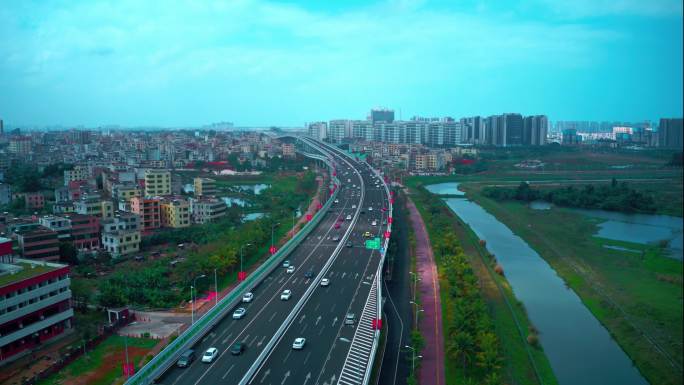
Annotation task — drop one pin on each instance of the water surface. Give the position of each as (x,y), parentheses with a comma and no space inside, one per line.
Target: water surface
(579,348)
(448,188)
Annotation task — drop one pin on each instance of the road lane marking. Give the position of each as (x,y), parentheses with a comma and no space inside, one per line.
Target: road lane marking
(226,375)
(272,316)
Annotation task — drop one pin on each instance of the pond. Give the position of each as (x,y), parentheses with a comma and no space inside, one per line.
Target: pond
(579,348)
(448,188)
(640,228)
(252,217)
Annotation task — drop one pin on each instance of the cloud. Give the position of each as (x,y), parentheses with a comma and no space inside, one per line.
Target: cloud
(247,52)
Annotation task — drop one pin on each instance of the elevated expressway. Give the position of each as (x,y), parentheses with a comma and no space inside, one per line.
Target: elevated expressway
(335,353)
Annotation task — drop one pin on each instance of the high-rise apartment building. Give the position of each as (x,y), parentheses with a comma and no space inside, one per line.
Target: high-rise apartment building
(318,130)
(381,115)
(670,133)
(535,130)
(339,130)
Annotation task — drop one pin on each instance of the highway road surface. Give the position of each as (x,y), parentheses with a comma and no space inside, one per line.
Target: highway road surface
(339,241)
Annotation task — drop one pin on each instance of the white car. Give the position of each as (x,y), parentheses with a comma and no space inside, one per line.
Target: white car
(286,264)
(337,201)
(298,343)
(286,294)
(210,355)
(374,223)
(370,208)
(353,206)
(290,269)
(247,297)
(348,217)
(239,313)
(325,282)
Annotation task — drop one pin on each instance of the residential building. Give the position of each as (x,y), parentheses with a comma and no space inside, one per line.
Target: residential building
(318,130)
(288,150)
(85,231)
(35,304)
(570,137)
(125,191)
(535,130)
(149,211)
(157,182)
(205,187)
(338,130)
(61,225)
(670,133)
(207,210)
(93,204)
(121,242)
(381,115)
(40,243)
(78,173)
(5,194)
(175,213)
(20,145)
(121,234)
(34,200)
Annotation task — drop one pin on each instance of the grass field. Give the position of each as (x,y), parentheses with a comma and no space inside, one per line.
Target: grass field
(521,362)
(637,296)
(103,365)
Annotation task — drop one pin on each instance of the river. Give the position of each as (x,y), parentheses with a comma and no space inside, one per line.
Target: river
(579,348)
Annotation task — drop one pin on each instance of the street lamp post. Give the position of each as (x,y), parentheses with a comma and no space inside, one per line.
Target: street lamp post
(415,284)
(413,358)
(241,248)
(293,223)
(192,297)
(418,311)
(272,227)
(216,288)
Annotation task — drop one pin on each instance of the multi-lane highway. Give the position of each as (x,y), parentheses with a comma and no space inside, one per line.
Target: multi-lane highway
(334,352)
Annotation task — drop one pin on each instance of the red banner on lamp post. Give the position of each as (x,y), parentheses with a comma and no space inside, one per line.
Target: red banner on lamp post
(128,369)
(272,250)
(389,220)
(387,234)
(392,200)
(308,217)
(242,275)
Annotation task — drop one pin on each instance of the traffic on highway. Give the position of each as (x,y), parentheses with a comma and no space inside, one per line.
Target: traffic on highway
(298,324)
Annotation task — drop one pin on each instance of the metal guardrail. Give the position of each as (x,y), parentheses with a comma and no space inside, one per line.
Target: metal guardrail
(165,358)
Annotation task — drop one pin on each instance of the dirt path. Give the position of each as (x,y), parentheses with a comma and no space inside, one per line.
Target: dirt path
(430,321)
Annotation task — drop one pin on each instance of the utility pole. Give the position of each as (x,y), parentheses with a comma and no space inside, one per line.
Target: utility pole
(192,297)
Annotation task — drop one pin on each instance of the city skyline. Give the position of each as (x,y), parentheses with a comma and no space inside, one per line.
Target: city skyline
(258,63)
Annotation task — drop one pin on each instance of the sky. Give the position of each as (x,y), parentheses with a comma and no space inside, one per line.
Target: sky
(262,63)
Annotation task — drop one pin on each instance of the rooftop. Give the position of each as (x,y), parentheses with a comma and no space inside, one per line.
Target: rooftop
(24,269)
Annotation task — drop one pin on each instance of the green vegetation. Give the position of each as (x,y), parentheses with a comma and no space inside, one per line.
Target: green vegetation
(103,365)
(635,293)
(160,284)
(614,197)
(491,339)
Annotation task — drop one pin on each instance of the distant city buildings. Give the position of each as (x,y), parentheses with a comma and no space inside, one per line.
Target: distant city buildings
(670,133)
(504,130)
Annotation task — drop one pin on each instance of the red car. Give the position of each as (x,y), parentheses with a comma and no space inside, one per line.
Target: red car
(337,225)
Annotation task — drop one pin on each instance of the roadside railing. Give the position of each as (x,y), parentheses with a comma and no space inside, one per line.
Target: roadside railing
(162,361)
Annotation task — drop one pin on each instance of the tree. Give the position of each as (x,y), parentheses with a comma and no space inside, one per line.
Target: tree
(68,253)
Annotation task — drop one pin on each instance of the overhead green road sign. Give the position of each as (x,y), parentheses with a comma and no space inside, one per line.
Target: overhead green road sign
(373,244)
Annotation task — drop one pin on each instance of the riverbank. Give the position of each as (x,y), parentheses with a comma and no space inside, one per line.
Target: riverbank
(521,363)
(637,296)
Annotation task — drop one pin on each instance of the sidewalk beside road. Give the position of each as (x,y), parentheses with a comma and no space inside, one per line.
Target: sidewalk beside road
(430,321)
